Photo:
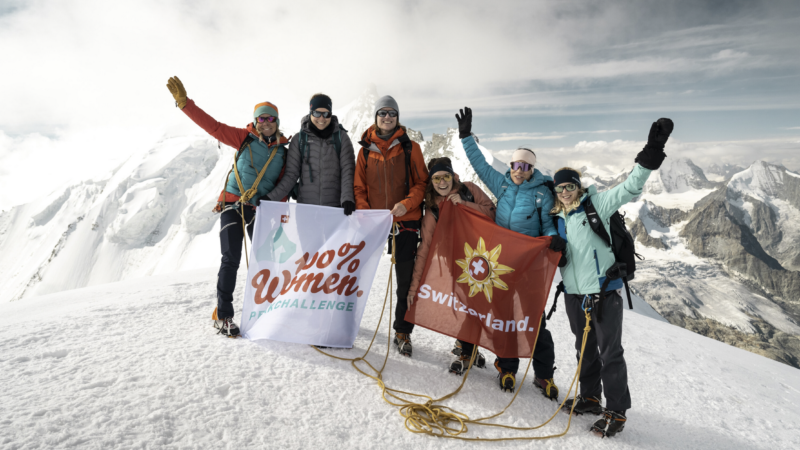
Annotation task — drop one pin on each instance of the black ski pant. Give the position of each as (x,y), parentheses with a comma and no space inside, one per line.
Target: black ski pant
(231,236)
(405,253)
(544,355)
(603,369)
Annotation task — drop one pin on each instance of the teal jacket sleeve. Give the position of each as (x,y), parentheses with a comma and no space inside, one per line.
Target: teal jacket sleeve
(548,229)
(490,177)
(611,200)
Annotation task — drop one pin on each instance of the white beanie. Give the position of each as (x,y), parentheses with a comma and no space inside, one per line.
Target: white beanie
(524,154)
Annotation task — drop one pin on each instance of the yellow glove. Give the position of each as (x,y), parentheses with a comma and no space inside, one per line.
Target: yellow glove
(177,90)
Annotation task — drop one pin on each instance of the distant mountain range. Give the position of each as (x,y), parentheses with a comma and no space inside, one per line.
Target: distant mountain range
(721,245)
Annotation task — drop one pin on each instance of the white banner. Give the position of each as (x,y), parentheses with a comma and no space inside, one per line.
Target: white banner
(311,270)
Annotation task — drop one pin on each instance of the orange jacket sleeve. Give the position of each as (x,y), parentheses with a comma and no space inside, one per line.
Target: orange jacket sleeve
(482,203)
(360,182)
(226,134)
(419,179)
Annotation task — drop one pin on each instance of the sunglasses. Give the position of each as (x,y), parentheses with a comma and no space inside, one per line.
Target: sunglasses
(438,179)
(324,114)
(523,166)
(383,113)
(569,187)
(269,119)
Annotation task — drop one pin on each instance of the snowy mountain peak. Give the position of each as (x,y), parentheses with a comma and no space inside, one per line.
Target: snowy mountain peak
(724,172)
(677,175)
(357,115)
(765,182)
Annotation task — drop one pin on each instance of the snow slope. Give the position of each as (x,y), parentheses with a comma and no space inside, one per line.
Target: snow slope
(151,215)
(136,364)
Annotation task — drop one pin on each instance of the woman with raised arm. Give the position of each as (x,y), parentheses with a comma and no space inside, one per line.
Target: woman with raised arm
(591,267)
(321,157)
(444,185)
(258,165)
(523,203)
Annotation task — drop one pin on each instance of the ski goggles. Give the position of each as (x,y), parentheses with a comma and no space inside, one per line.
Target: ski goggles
(568,187)
(439,178)
(383,113)
(324,114)
(269,119)
(523,166)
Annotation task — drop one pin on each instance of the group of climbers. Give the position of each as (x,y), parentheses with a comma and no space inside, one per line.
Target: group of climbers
(320,167)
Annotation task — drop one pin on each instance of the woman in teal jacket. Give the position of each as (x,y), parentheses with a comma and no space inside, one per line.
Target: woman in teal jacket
(589,261)
(259,164)
(523,205)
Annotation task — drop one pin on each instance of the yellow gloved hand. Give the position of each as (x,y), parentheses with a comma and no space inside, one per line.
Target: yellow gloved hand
(177,90)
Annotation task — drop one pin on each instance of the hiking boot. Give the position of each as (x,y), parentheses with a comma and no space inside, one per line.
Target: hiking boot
(461,364)
(584,405)
(508,380)
(613,422)
(227,327)
(403,343)
(480,360)
(547,386)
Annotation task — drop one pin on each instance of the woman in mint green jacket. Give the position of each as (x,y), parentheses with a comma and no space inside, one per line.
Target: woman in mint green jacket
(589,259)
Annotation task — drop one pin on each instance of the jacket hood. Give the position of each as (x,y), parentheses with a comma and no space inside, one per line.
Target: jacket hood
(252,129)
(305,122)
(537,179)
(371,134)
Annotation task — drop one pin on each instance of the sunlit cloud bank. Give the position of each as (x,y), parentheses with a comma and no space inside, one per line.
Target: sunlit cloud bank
(615,156)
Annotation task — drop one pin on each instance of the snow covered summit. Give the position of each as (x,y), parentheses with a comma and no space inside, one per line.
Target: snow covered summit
(136,364)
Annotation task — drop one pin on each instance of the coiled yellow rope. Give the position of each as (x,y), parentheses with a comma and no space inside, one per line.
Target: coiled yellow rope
(248,194)
(439,420)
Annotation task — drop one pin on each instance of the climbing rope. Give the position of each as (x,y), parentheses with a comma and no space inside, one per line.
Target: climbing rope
(438,420)
(250,193)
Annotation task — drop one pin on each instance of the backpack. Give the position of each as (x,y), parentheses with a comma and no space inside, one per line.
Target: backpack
(622,245)
(406,142)
(465,195)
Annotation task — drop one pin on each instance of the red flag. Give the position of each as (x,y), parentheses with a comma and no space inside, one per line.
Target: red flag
(483,283)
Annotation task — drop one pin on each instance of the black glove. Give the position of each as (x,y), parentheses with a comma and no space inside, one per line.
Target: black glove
(563,261)
(464,122)
(652,155)
(349,207)
(558,244)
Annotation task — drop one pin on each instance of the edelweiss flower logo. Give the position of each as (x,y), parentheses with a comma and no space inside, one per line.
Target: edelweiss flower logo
(481,270)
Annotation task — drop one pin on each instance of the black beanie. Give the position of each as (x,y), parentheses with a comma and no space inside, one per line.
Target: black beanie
(567,176)
(441,167)
(321,101)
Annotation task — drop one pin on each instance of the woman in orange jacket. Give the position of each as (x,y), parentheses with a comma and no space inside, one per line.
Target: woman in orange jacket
(391,174)
(444,185)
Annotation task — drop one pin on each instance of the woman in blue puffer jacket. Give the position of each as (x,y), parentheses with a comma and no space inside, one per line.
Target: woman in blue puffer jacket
(523,205)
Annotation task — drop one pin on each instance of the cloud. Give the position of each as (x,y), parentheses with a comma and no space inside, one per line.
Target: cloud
(90,75)
(614,156)
(504,137)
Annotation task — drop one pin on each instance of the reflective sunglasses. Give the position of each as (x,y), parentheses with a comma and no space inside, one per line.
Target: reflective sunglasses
(324,114)
(438,179)
(569,187)
(269,119)
(383,113)
(521,166)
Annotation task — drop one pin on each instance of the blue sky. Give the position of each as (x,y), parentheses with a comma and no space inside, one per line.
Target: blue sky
(84,81)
